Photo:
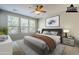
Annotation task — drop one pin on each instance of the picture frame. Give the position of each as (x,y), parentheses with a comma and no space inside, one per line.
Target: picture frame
(53,21)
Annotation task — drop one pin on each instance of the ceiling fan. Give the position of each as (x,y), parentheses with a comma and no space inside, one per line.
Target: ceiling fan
(39,9)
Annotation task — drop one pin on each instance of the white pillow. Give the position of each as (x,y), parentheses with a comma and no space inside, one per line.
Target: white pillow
(53,33)
(50,33)
(46,32)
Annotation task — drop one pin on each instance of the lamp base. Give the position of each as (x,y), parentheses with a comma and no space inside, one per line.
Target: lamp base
(66,35)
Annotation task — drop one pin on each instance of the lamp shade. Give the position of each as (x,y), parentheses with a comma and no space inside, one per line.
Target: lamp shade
(66,30)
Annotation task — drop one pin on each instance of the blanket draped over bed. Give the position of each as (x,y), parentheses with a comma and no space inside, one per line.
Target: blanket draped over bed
(49,41)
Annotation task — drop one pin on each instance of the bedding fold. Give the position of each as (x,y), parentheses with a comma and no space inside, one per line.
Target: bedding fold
(49,41)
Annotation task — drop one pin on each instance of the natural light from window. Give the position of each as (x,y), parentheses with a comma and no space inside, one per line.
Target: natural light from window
(23,25)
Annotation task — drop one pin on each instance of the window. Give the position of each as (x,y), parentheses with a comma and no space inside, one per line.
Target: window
(32,26)
(24,25)
(13,24)
(16,24)
(13,21)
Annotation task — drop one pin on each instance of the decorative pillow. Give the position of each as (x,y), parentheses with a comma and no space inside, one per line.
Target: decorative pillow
(46,32)
(50,33)
(53,33)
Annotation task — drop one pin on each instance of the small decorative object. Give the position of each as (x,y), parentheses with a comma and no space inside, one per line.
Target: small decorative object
(53,21)
(66,31)
(3,31)
(71,8)
(3,38)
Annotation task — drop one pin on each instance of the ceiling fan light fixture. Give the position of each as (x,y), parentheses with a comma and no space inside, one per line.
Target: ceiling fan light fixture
(71,8)
(39,9)
(37,12)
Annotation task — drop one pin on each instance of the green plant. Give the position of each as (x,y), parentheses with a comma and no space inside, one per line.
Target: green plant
(4,31)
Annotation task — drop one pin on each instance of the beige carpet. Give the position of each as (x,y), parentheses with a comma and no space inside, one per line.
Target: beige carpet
(19,48)
(69,50)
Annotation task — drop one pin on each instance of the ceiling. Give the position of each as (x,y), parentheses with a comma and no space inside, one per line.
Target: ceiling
(27,9)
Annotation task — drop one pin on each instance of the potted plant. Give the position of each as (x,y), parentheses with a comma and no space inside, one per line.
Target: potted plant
(3,31)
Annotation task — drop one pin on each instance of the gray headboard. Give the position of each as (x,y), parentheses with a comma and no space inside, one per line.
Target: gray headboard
(59,30)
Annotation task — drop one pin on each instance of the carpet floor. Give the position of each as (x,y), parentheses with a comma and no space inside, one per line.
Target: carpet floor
(19,48)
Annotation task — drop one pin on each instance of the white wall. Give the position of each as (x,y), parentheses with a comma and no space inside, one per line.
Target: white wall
(67,21)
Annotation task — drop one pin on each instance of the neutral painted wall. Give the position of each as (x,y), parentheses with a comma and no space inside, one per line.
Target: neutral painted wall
(67,21)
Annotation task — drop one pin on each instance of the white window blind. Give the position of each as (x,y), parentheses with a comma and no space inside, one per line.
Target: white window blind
(17,24)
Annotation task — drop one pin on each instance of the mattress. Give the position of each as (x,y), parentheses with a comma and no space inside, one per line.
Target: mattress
(41,43)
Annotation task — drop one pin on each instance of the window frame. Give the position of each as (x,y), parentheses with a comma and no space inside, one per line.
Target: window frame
(19,24)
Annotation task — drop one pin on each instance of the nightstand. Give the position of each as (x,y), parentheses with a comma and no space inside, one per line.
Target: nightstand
(69,41)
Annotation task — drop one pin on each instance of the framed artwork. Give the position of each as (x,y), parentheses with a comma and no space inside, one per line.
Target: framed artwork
(53,21)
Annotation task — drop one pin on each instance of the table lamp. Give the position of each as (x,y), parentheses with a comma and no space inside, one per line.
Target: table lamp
(66,31)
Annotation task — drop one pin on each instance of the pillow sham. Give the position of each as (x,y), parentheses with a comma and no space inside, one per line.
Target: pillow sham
(50,33)
(47,33)
(53,33)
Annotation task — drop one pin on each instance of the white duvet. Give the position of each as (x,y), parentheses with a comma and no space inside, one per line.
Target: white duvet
(41,43)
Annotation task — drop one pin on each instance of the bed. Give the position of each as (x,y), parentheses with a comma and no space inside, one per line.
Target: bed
(40,46)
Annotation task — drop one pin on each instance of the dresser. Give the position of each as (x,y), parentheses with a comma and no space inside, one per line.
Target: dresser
(6,47)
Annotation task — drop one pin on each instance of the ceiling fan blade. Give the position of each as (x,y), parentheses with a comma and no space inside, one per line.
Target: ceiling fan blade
(39,9)
(44,11)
